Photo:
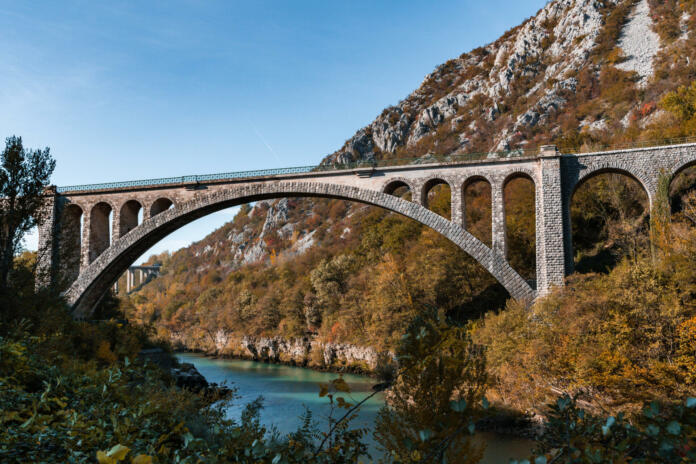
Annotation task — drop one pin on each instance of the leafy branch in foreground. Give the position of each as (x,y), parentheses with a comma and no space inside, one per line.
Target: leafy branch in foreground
(660,434)
(433,404)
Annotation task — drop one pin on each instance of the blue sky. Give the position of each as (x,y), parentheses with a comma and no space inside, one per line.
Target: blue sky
(130,90)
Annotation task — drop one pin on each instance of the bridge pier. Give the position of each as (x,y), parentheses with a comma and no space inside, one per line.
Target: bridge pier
(550,218)
(457,213)
(46,254)
(86,240)
(498,232)
(144,273)
(129,280)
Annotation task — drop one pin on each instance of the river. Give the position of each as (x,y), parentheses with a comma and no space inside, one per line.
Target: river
(287,390)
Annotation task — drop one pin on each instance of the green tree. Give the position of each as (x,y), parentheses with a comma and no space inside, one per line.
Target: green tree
(329,280)
(23,176)
(442,377)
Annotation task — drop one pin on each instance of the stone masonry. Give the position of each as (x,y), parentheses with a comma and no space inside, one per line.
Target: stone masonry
(83,258)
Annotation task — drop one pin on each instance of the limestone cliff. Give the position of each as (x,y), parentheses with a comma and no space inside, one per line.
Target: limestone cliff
(511,93)
(306,351)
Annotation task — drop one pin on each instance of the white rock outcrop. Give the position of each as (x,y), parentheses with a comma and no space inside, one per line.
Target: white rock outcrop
(549,47)
(639,42)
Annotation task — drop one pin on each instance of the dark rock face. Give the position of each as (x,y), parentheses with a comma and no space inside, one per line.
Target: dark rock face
(185,374)
(188,377)
(158,357)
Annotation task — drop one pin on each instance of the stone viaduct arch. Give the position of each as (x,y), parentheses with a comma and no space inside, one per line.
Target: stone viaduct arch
(143,212)
(94,281)
(468,183)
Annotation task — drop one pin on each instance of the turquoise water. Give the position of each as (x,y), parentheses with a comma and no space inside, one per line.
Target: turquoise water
(287,390)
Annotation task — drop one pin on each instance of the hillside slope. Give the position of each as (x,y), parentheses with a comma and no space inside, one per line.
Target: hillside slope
(581,74)
(580,71)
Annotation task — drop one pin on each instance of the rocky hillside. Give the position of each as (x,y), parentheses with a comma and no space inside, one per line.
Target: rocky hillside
(581,74)
(577,67)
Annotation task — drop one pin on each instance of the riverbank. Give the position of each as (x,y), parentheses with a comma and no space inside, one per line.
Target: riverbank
(306,352)
(339,358)
(335,369)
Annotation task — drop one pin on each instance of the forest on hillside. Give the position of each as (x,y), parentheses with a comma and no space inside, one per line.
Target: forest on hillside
(344,272)
(370,270)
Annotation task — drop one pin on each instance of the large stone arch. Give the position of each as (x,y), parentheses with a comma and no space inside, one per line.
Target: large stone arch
(430,184)
(673,173)
(648,185)
(678,159)
(523,173)
(160,205)
(128,216)
(677,168)
(427,185)
(95,280)
(647,180)
(465,209)
(100,233)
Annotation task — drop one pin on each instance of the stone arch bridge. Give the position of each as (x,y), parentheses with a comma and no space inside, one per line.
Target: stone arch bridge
(93,233)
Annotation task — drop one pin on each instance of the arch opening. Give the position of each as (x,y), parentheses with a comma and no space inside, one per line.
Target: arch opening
(682,193)
(130,216)
(392,251)
(399,189)
(610,219)
(519,200)
(86,292)
(160,205)
(99,229)
(478,213)
(69,244)
(437,197)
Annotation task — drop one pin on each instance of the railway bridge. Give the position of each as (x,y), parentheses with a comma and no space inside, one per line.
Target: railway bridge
(93,233)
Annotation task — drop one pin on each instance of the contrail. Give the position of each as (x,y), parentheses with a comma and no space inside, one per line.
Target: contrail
(258,134)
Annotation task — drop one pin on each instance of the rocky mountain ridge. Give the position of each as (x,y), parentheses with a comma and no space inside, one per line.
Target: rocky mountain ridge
(465,105)
(521,91)
(579,74)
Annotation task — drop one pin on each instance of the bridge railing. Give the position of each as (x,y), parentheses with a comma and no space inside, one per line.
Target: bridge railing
(328,166)
(384,162)
(601,147)
(184,179)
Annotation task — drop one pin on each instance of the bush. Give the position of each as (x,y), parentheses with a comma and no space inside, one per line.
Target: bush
(623,338)
(55,407)
(660,434)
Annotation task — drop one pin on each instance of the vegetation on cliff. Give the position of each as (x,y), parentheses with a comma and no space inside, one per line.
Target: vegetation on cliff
(343,272)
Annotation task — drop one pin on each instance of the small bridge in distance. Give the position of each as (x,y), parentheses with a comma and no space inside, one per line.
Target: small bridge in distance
(144,275)
(93,233)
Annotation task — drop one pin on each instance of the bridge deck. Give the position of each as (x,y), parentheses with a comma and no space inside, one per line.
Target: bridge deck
(428,161)
(303,171)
